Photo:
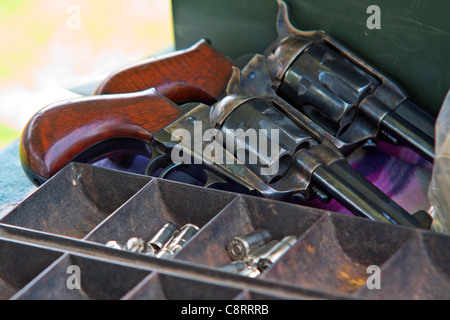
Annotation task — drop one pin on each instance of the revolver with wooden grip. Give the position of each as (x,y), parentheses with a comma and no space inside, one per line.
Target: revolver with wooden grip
(347,100)
(320,98)
(298,163)
(339,91)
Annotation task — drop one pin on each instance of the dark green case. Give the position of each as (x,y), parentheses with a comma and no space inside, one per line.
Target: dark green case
(412,46)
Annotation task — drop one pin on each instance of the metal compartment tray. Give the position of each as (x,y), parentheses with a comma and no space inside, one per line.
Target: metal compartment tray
(68,220)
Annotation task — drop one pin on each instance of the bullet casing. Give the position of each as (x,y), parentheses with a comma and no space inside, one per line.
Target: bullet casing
(134,245)
(253,258)
(164,235)
(164,253)
(148,250)
(276,252)
(240,247)
(114,244)
(186,233)
(250,271)
(234,267)
(138,245)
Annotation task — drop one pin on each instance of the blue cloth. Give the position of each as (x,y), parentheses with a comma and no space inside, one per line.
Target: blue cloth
(14,184)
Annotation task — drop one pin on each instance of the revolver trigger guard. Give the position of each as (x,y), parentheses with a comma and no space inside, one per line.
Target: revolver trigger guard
(169,169)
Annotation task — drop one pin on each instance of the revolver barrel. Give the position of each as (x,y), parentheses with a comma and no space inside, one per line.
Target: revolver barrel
(411,126)
(315,166)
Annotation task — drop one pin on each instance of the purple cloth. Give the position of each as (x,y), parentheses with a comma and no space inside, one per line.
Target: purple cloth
(399,172)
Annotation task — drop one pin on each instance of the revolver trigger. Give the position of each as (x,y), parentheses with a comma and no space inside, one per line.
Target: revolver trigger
(212,180)
(157,161)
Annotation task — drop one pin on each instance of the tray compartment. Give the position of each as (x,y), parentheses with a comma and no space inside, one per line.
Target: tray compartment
(21,263)
(89,203)
(100,280)
(420,270)
(156,204)
(160,286)
(334,255)
(246,214)
(75,200)
(253,295)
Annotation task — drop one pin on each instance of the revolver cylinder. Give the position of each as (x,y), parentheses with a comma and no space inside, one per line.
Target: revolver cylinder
(325,87)
(252,123)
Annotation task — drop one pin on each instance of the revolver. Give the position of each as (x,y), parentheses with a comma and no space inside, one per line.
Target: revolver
(343,97)
(288,161)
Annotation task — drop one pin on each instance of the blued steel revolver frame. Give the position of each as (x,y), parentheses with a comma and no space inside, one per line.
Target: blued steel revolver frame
(315,168)
(345,98)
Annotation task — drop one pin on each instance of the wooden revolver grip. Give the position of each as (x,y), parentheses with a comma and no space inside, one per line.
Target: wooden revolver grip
(92,128)
(199,73)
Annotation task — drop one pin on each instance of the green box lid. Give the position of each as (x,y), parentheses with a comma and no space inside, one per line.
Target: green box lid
(412,46)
